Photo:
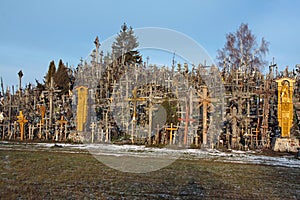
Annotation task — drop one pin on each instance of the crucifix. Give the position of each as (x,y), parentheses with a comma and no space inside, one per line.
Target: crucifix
(22,120)
(134,99)
(62,122)
(171,129)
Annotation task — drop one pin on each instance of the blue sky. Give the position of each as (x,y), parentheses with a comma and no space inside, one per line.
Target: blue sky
(34,32)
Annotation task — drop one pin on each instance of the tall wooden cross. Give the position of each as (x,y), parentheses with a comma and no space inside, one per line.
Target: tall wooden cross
(21,120)
(268,92)
(205,102)
(51,92)
(134,99)
(186,120)
(62,122)
(171,129)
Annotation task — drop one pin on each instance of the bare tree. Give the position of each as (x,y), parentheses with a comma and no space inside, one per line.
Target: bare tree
(241,50)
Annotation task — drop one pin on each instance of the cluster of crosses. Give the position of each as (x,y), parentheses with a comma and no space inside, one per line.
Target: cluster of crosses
(120,102)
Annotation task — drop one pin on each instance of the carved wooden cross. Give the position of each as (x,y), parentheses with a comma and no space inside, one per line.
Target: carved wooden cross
(62,122)
(51,91)
(21,120)
(134,99)
(206,102)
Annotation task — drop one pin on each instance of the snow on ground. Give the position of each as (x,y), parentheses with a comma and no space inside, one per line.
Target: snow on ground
(246,157)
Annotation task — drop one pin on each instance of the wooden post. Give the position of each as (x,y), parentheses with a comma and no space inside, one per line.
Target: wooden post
(93,126)
(56,133)
(106,127)
(21,120)
(40,124)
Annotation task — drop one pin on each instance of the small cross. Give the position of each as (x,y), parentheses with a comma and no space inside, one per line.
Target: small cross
(93,126)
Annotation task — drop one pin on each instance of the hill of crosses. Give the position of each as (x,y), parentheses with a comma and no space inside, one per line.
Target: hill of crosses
(120,98)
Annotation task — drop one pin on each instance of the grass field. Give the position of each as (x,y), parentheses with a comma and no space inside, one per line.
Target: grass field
(60,175)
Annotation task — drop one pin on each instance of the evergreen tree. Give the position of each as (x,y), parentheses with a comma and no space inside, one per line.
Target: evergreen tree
(124,45)
(50,73)
(62,78)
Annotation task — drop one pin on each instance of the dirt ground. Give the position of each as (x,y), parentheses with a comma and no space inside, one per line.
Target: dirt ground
(63,175)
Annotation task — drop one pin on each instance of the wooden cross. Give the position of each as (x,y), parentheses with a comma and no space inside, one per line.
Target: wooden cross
(93,126)
(171,129)
(169,81)
(42,111)
(51,91)
(206,102)
(22,120)
(134,99)
(186,120)
(256,131)
(62,122)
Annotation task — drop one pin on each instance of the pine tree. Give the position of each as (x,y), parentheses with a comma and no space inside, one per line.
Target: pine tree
(125,45)
(50,73)
(62,78)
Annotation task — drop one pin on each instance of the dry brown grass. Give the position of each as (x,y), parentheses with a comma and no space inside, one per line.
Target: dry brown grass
(57,175)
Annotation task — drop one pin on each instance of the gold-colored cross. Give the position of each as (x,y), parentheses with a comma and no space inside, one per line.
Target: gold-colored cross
(171,129)
(135,99)
(22,120)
